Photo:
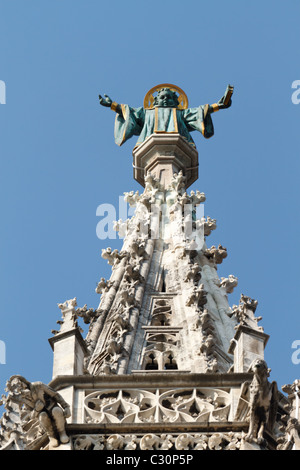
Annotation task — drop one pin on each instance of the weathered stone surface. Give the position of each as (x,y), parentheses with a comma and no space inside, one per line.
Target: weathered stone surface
(166,363)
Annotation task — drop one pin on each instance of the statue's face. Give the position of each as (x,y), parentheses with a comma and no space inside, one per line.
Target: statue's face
(165,99)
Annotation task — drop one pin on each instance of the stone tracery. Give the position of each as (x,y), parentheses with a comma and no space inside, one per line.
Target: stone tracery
(140,406)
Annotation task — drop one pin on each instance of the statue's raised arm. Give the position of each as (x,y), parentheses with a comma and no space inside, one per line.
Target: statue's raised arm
(165,110)
(225,102)
(107,102)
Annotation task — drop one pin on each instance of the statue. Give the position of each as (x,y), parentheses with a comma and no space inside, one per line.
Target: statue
(45,404)
(263,402)
(165,110)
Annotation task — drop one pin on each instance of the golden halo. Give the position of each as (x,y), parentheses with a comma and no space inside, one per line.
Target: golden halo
(182,98)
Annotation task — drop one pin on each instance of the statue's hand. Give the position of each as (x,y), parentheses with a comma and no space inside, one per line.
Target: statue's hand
(105,101)
(222,105)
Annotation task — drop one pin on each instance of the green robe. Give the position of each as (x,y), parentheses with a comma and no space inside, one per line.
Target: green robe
(144,122)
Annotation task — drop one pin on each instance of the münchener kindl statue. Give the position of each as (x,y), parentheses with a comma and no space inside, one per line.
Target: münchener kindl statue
(165,110)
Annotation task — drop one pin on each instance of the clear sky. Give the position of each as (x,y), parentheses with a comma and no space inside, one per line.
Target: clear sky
(59,161)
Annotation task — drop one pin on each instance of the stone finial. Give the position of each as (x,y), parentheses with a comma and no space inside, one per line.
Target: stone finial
(69,316)
(244,312)
(68,305)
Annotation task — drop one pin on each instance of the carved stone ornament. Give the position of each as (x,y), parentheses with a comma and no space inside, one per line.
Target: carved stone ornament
(69,316)
(40,410)
(216,254)
(141,406)
(244,312)
(103,286)
(229,283)
(193,273)
(262,397)
(165,442)
(291,438)
(113,257)
(207,225)
(197,296)
(178,183)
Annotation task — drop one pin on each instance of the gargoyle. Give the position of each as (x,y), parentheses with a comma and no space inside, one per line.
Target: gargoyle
(263,401)
(44,404)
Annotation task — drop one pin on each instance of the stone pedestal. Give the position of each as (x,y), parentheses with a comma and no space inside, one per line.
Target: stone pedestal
(246,346)
(162,155)
(69,351)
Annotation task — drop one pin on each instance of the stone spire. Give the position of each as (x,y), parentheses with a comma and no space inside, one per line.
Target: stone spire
(167,363)
(164,307)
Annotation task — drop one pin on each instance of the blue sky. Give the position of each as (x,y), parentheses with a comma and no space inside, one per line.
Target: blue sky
(59,161)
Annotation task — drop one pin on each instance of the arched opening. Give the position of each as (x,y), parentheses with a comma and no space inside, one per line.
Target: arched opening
(170,364)
(151,362)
